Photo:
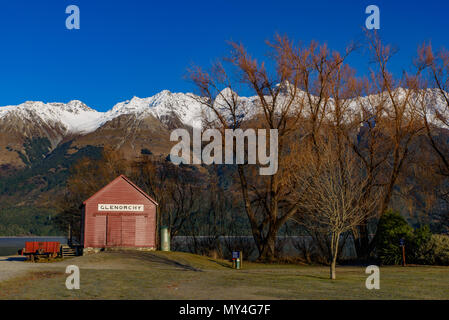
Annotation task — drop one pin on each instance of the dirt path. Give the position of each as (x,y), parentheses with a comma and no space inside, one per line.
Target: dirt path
(14,266)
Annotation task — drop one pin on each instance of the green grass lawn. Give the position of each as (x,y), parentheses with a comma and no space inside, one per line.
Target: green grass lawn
(175,275)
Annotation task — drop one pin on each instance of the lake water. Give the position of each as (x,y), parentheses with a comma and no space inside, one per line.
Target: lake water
(10,245)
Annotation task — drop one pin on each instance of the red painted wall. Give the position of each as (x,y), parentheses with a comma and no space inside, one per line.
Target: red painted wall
(119,229)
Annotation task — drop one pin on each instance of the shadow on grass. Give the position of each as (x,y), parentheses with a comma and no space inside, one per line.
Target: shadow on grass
(223,264)
(151,257)
(315,277)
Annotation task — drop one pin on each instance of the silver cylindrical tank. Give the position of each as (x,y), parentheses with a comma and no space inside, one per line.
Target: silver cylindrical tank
(165,239)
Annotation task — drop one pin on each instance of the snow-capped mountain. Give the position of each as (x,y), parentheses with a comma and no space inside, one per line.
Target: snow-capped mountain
(162,106)
(136,124)
(77,118)
(59,122)
(70,118)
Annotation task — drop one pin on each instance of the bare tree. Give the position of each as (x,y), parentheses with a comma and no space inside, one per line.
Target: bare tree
(184,199)
(329,189)
(433,97)
(208,226)
(298,88)
(176,189)
(391,124)
(87,176)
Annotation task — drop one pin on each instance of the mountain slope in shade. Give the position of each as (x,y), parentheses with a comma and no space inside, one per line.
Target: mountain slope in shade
(130,133)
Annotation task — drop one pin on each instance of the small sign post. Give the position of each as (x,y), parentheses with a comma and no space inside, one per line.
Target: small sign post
(402,244)
(237,259)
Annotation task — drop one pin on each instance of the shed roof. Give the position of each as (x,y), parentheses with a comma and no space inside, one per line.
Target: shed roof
(129,182)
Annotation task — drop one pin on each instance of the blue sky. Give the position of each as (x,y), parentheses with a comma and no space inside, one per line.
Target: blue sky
(139,47)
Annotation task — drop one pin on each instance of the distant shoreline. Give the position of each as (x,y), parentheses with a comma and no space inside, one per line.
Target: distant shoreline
(26,237)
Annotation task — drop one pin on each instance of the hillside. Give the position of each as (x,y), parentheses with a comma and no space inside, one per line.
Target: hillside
(39,142)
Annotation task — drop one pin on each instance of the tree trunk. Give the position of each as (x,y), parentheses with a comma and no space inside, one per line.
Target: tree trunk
(268,252)
(69,240)
(361,241)
(333,273)
(334,253)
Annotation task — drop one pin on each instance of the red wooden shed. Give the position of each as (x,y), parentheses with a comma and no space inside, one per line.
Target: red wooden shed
(119,215)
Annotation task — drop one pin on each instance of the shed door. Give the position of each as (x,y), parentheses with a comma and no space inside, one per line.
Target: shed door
(100,231)
(114,236)
(142,231)
(128,231)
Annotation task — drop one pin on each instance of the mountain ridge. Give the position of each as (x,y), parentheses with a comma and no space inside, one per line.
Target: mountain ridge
(136,124)
(132,120)
(77,118)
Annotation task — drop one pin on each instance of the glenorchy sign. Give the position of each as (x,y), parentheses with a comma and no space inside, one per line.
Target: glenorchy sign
(121,207)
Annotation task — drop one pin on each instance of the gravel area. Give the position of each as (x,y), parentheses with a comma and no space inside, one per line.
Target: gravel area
(15,266)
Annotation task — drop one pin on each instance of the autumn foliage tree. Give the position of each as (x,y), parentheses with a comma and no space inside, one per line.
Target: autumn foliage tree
(433,94)
(390,125)
(279,106)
